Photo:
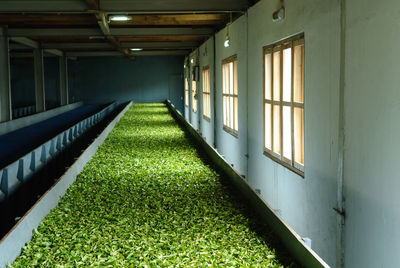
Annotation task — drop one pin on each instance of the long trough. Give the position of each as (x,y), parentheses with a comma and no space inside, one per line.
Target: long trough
(292,241)
(12,243)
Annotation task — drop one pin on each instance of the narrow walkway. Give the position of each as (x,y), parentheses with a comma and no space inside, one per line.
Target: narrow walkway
(147,199)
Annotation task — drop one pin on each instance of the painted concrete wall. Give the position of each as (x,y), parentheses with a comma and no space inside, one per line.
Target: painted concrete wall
(186,72)
(372,131)
(233,148)
(146,79)
(304,203)
(206,51)
(52,82)
(22,82)
(194,116)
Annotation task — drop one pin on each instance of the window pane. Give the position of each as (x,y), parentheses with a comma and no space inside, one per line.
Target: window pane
(277,75)
(287,132)
(231,114)
(236,113)
(224,78)
(235,82)
(267,74)
(230,78)
(298,74)
(277,129)
(287,74)
(299,135)
(267,125)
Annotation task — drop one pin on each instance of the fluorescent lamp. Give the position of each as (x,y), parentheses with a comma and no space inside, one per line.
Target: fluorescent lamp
(119,18)
(136,49)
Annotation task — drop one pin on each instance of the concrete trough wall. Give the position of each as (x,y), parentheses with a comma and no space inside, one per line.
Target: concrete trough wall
(13,125)
(12,243)
(20,171)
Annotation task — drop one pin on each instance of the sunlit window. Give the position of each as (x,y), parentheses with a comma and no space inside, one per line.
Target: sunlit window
(194,96)
(284,103)
(230,95)
(186,92)
(206,94)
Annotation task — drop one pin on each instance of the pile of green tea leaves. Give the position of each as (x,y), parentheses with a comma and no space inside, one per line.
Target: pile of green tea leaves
(148,199)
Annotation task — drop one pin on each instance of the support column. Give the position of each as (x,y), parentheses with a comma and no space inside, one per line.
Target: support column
(63,61)
(39,80)
(5,88)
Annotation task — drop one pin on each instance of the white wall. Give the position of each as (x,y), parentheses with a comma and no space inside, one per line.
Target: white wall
(207,59)
(372,131)
(233,148)
(186,72)
(304,203)
(371,116)
(194,116)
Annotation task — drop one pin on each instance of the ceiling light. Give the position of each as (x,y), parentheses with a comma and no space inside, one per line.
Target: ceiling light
(119,18)
(96,37)
(136,49)
(227,42)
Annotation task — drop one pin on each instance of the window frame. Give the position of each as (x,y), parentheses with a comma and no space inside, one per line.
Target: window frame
(206,93)
(291,42)
(231,130)
(186,92)
(194,96)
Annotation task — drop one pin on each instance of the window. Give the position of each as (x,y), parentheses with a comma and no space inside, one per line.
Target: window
(284,103)
(186,92)
(194,96)
(230,95)
(206,94)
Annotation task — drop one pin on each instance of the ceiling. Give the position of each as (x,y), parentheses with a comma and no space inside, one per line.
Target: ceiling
(82,27)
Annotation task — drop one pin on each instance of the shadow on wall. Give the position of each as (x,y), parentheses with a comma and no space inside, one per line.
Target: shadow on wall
(146,79)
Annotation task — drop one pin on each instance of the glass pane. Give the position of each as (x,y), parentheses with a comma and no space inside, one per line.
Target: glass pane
(267,74)
(277,75)
(230,78)
(277,129)
(224,78)
(287,74)
(236,114)
(298,74)
(299,135)
(267,125)
(231,114)
(235,85)
(287,132)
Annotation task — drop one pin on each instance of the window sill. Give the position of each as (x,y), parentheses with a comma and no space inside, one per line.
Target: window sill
(231,131)
(286,165)
(206,118)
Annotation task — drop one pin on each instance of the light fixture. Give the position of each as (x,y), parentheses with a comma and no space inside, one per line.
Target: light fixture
(191,61)
(136,49)
(96,37)
(119,18)
(227,42)
(279,15)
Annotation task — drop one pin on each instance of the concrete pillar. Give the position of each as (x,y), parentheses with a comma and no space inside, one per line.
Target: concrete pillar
(5,88)
(39,80)
(63,61)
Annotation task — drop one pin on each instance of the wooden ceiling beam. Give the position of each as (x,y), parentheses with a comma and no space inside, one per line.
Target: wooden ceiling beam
(174,19)
(47,20)
(162,38)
